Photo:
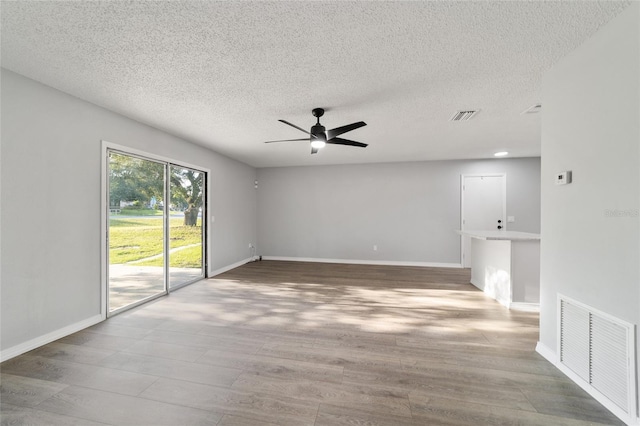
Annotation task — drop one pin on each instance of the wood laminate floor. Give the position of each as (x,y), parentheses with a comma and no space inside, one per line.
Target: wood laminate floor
(285,343)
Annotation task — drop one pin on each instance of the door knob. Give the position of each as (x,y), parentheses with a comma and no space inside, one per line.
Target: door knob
(499,221)
(499,227)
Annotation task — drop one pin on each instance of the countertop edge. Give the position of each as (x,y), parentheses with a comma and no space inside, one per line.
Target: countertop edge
(500,235)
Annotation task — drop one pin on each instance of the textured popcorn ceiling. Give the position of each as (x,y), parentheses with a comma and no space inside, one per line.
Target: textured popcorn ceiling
(221,74)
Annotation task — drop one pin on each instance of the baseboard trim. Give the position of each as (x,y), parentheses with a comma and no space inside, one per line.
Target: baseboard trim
(48,338)
(546,353)
(232,266)
(524,307)
(364,262)
(478,285)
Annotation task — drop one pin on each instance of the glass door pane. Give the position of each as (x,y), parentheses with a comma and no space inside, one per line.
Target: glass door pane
(136,234)
(186,233)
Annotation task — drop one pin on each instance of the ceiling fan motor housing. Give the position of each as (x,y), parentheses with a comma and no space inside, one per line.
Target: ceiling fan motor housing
(318,132)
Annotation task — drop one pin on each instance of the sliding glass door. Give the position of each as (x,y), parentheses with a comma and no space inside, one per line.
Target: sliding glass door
(153,245)
(186,236)
(136,230)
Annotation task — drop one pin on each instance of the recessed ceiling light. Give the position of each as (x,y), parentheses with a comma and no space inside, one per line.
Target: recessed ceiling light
(501,154)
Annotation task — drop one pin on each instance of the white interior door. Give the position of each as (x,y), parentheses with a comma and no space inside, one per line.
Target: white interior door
(483,207)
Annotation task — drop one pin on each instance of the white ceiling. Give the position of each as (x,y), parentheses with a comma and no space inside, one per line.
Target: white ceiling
(221,74)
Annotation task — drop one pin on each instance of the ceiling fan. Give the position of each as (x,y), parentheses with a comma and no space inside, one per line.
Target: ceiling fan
(319,137)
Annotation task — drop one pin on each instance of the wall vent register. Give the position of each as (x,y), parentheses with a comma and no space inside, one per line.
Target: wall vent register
(600,350)
(463,115)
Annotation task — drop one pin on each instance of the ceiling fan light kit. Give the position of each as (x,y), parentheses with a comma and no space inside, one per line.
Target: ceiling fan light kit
(318,143)
(319,136)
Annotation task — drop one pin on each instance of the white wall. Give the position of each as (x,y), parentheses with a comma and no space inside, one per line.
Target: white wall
(590,125)
(51,180)
(409,210)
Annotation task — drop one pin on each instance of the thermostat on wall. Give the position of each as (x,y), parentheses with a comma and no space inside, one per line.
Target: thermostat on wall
(563,178)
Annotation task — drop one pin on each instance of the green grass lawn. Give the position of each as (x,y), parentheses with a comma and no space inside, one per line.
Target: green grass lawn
(140,212)
(190,257)
(132,239)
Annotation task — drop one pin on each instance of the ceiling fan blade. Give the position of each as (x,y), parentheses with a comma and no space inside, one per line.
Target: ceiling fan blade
(293,125)
(289,140)
(314,150)
(340,141)
(344,129)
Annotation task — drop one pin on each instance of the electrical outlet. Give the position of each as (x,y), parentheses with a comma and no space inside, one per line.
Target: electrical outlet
(375,247)
(250,245)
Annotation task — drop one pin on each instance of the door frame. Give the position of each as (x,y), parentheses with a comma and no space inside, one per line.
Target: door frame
(504,204)
(205,228)
(165,270)
(107,146)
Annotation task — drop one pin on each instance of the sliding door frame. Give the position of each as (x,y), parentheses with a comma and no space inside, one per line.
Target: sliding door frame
(202,221)
(165,210)
(104,220)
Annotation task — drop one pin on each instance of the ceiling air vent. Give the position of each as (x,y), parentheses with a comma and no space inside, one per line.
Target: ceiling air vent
(533,109)
(463,115)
